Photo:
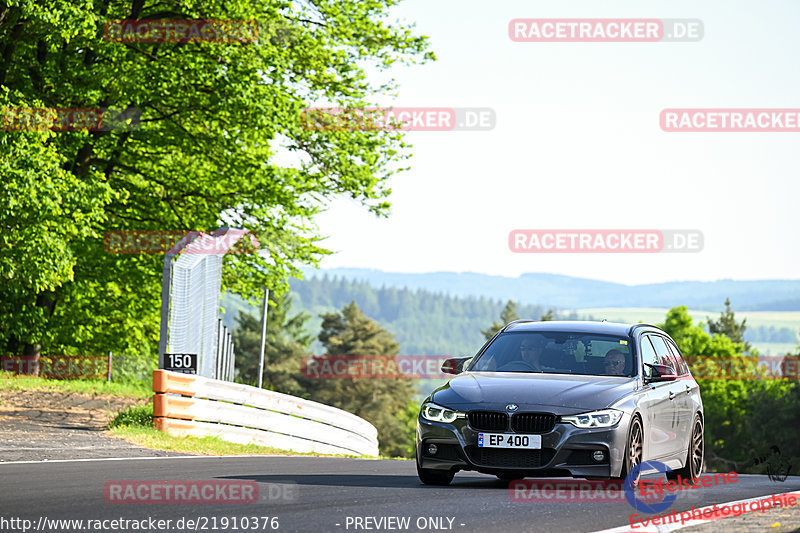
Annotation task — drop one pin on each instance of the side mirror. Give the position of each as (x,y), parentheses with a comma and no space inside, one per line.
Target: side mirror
(455,365)
(661,373)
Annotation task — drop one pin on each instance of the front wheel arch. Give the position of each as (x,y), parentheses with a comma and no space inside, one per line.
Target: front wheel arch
(694,464)
(636,419)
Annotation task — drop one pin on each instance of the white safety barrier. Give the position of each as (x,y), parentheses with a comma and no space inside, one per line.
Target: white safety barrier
(188,405)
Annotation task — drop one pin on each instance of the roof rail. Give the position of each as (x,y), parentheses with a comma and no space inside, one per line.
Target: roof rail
(643,325)
(521,320)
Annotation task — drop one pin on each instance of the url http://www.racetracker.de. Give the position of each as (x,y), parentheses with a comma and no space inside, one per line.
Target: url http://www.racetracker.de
(143,525)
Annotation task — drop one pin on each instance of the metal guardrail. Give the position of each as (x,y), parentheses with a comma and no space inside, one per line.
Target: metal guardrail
(188,405)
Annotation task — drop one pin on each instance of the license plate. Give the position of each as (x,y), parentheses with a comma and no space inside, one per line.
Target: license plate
(509,440)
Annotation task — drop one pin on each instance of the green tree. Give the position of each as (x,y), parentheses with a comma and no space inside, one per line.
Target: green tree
(693,340)
(383,402)
(213,116)
(288,344)
(508,314)
(773,419)
(727,325)
(734,408)
(409,420)
(548,316)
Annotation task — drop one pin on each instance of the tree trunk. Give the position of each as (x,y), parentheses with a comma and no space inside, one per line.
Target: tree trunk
(29,364)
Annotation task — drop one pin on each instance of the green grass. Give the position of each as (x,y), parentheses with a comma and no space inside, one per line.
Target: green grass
(92,387)
(140,416)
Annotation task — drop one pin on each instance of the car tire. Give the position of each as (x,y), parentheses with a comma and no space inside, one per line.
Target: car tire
(435,477)
(694,455)
(633,449)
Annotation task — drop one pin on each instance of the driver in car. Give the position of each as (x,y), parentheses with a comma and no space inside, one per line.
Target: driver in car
(530,350)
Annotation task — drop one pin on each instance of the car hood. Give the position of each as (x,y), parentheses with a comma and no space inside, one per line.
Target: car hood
(558,393)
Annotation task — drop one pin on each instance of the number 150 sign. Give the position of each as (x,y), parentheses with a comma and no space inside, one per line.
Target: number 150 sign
(181,362)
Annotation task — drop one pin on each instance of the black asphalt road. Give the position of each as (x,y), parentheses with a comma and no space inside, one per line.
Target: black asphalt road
(316,495)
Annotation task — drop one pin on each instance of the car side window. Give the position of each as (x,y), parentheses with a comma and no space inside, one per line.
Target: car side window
(664,355)
(649,356)
(682,368)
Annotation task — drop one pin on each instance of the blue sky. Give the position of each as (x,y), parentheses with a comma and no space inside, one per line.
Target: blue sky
(578,145)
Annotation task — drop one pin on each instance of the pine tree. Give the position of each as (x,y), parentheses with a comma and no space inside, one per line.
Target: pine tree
(286,347)
(383,402)
(728,326)
(509,314)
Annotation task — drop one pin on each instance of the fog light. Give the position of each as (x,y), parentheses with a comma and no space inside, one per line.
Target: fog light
(432,449)
(598,456)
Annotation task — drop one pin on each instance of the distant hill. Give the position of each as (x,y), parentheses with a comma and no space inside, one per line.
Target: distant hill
(423,322)
(566,292)
(446,317)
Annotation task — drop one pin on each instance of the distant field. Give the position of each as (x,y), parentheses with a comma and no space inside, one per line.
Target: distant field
(774,348)
(779,319)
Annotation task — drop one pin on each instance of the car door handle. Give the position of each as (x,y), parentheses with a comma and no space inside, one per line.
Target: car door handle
(671,395)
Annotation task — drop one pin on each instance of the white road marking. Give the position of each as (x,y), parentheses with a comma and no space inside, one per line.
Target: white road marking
(134,458)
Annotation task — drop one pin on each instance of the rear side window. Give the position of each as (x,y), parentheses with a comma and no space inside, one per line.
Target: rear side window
(648,356)
(682,368)
(664,355)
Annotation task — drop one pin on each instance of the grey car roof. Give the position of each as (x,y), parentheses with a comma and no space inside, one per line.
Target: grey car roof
(577,326)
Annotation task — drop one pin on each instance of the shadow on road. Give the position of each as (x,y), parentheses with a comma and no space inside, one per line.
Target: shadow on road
(377,480)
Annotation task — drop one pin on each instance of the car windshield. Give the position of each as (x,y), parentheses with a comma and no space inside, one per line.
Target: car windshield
(557,353)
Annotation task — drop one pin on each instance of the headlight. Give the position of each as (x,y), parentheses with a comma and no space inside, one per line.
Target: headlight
(596,419)
(437,413)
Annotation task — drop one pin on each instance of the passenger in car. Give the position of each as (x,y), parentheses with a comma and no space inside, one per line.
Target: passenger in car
(614,363)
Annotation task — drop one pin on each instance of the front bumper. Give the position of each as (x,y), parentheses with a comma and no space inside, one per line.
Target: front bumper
(566,450)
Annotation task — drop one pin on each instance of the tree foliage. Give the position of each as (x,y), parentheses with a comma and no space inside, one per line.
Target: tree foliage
(508,314)
(383,402)
(737,425)
(693,340)
(287,345)
(727,325)
(220,142)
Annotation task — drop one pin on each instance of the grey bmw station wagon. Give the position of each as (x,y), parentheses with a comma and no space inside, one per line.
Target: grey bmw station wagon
(580,399)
